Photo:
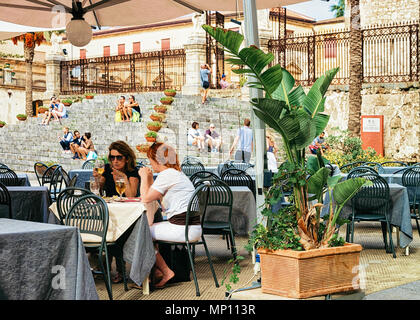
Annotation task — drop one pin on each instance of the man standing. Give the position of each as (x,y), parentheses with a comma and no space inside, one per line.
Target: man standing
(245,138)
(205,82)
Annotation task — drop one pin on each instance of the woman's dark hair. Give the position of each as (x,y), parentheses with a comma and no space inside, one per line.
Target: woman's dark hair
(164,155)
(122,97)
(88,135)
(131,96)
(194,124)
(75,131)
(126,151)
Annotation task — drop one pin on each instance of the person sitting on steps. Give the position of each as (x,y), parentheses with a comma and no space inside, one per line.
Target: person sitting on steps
(133,109)
(86,146)
(75,144)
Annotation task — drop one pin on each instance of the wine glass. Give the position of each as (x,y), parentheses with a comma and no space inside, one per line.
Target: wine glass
(99,166)
(94,186)
(120,187)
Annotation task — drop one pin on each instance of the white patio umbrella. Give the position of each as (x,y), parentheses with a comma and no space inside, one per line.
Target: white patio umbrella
(9,30)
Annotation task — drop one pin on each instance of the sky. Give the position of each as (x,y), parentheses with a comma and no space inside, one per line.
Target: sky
(317,9)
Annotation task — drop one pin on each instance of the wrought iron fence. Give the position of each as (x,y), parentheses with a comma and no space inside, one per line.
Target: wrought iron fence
(390,54)
(146,71)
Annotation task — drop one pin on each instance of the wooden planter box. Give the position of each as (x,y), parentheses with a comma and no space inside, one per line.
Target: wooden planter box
(304,274)
(169,94)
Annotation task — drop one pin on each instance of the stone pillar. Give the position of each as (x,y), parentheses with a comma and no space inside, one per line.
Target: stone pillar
(52,74)
(195,56)
(264,31)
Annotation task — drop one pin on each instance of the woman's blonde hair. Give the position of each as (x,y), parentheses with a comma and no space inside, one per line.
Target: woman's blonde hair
(164,155)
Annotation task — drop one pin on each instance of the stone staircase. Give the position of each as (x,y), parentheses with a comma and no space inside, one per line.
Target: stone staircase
(24,143)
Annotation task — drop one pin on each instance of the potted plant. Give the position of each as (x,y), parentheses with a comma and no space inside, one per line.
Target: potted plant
(143,148)
(154,126)
(89,95)
(157,116)
(151,136)
(166,100)
(160,108)
(22,117)
(42,109)
(170,92)
(301,252)
(67,102)
(2,124)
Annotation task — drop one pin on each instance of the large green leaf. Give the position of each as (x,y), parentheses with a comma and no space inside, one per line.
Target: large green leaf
(321,122)
(345,190)
(317,182)
(255,58)
(271,78)
(286,85)
(231,40)
(269,110)
(306,130)
(297,96)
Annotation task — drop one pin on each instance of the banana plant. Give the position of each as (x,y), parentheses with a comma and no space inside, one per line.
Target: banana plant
(298,117)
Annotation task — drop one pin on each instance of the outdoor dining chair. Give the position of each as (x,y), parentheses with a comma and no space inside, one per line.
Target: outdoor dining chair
(377,166)
(48,173)
(8,177)
(372,203)
(195,207)
(191,159)
(202,175)
(190,168)
(394,164)
(88,164)
(220,196)
(348,166)
(5,200)
(67,198)
(358,171)
(2,165)
(236,177)
(59,181)
(39,169)
(232,164)
(411,180)
(90,214)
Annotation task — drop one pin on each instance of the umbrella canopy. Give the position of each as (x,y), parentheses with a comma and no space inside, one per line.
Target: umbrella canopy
(46,13)
(10,30)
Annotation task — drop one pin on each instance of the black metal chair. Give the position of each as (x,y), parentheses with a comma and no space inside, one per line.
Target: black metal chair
(202,175)
(73,180)
(5,200)
(377,166)
(39,169)
(358,171)
(191,159)
(90,214)
(394,164)
(67,198)
(88,164)
(2,165)
(372,203)
(196,206)
(232,164)
(8,177)
(190,168)
(411,180)
(48,173)
(220,196)
(348,166)
(236,177)
(59,181)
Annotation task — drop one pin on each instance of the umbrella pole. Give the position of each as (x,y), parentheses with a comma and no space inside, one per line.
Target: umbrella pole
(252,38)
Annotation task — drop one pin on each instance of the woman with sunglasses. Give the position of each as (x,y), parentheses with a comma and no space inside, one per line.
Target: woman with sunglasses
(122,165)
(175,190)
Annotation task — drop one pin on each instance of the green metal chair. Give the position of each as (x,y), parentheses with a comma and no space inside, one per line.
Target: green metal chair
(5,200)
(39,169)
(372,203)
(237,177)
(202,175)
(196,206)
(220,196)
(90,215)
(88,164)
(59,181)
(189,168)
(67,198)
(377,166)
(8,177)
(348,166)
(411,180)
(394,164)
(358,171)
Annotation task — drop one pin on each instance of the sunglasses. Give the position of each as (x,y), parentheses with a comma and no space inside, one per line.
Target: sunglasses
(112,158)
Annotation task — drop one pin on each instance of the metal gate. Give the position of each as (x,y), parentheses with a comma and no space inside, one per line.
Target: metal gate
(278,18)
(215,56)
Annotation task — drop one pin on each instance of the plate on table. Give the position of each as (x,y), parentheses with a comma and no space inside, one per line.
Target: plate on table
(131,199)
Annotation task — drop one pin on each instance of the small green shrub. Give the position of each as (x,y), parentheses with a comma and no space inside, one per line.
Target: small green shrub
(154,124)
(67,101)
(21,115)
(151,134)
(2,122)
(170,90)
(166,99)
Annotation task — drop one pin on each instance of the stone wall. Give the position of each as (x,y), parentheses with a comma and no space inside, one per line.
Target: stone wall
(374,12)
(400,106)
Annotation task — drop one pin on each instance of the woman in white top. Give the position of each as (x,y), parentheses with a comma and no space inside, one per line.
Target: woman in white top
(195,138)
(60,112)
(175,190)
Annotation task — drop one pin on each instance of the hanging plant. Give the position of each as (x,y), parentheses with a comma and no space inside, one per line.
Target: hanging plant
(151,136)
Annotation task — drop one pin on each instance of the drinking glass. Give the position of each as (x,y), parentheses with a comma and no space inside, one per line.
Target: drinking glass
(94,186)
(99,166)
(120,187)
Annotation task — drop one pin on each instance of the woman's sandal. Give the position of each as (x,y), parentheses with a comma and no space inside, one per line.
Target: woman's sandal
(117,278)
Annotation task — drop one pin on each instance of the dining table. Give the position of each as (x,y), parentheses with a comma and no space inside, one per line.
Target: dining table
(23,179)
(138,250)
(28,203)
(41,261)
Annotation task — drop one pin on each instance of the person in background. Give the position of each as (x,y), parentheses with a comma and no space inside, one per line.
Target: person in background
(86,146)
(66,140)
(174,189)
(223,83)
(60,111)
(120,110)
(133,109)
(205,74)
(195,138)
(48,114)
(245,138)
(271,154)
(319,144)
(76,143)
(213,139)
